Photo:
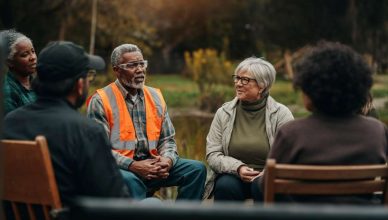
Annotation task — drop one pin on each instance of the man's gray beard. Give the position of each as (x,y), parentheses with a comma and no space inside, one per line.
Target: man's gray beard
(134,85)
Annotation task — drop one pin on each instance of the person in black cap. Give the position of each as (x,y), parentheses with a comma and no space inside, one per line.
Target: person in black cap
(80,150)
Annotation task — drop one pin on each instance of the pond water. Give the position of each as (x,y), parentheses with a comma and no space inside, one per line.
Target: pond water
(191,132)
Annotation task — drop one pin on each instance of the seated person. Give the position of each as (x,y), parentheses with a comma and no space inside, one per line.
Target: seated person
(79,148)
(141,133)
(335,83)
(21,62)
(242,132)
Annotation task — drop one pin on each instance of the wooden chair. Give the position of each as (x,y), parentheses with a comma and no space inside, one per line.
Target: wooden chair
(29,177)
(324,180)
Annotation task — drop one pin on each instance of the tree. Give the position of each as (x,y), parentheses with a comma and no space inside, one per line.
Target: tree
(166,29)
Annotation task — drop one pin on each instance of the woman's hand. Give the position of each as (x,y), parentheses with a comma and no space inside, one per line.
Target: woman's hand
(247,174)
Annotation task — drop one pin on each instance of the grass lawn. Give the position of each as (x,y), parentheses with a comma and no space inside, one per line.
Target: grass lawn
(182,93)
(179,92)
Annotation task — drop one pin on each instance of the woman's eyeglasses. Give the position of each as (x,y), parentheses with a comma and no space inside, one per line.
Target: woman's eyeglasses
(133,65)
(244,80)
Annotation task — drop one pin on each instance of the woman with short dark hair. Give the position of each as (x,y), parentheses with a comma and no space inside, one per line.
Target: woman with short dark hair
(335,83)
(21,61)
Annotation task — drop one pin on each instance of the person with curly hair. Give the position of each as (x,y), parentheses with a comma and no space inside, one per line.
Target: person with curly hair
(335,83)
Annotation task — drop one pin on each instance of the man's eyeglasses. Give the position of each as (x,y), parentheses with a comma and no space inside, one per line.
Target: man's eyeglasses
(133,65)
(244,80)
(91,75)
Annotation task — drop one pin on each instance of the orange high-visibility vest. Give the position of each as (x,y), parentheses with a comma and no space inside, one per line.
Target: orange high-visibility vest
(122,131)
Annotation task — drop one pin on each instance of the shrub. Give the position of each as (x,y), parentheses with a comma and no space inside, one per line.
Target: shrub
(209,69)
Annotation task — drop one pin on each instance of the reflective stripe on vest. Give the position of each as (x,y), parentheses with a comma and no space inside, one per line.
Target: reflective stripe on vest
(122,131)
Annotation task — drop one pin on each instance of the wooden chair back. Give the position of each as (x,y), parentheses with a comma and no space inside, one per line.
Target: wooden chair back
(324,180)
(29,176)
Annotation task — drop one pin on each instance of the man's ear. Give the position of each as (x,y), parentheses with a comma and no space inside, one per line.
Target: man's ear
(116,70)
(79,86)
(308,104)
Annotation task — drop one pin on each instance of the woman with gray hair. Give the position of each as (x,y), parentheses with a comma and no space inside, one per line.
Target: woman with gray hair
(243,131)
(21,61)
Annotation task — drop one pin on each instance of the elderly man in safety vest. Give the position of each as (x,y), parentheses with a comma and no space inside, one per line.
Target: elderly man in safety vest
(136,120)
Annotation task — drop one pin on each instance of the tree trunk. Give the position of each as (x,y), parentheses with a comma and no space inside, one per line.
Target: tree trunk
(93,27)
(62,30)
(352,16)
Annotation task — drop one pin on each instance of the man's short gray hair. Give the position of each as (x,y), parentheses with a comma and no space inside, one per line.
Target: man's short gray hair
(262,70)
(120,50)
(11,39)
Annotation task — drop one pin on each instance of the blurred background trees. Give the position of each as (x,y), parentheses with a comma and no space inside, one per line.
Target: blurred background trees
(196,44)
(166,29)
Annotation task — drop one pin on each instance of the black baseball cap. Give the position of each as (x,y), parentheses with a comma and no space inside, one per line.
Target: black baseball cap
(61,60)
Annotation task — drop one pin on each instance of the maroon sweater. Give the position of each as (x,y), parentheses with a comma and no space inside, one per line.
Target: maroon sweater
(323,140)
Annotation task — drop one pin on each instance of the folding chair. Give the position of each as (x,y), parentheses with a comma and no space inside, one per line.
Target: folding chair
(324,180)
(29,177)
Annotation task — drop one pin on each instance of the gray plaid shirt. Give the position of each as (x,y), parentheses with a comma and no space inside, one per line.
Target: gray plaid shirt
(166,146)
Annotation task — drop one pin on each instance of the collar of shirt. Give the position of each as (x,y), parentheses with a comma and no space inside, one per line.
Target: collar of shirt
(12,79)
(126,94)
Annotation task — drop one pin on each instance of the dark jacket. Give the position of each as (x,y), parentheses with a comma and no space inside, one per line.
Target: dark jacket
(79,148)
(14,93)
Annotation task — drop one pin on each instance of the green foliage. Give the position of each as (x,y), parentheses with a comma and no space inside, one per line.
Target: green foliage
(177,91)
(380,86)
(383,114)
(191,136)
(209,70)
(284,93)
(166,29)
(380,92)
(181,92)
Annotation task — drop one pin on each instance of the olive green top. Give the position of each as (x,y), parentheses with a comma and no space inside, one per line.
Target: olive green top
(249,141)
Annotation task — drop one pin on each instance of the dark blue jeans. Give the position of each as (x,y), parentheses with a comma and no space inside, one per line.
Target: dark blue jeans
(188,175)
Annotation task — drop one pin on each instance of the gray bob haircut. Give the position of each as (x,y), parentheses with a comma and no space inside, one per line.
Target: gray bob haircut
(11,39)
(120,50)
(262,70)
